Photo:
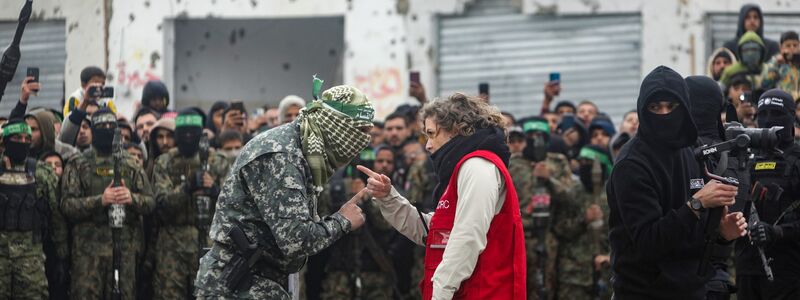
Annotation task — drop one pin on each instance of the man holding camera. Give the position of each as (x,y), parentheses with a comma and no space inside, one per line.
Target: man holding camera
(656,243)
(775,175)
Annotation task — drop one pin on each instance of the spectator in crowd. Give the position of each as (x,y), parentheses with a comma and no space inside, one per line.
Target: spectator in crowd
(235,118)
(155,96)
(783,70)
(127,132)
(601,129)
(91,78)
(144,121)
(630,123)
(516,141)
(417,90)
(215,115)
(162,139)
(55,161)
(396,130)
(573,132)
(739,92)
(509,119)
(271,116)
(43,136)
(552,120)
(231,142)
(289,108)
(751,19)
(136,152)
(376,134)
(587,110)
(565,107)
(720,59)
(84,139)
(752,54)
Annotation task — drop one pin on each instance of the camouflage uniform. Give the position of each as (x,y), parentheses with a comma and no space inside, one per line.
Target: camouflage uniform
(557,186)
(579,243)
(355,266)
(84,180)
(422,181)
(22,258)
(177,245)
(269,194)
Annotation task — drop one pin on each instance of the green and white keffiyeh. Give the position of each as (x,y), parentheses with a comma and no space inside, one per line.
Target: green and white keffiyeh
(330,130)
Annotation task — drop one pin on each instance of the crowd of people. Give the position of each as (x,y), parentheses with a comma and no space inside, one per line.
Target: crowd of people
(68,174)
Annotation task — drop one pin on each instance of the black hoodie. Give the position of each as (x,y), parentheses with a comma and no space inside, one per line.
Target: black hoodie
(772,46)
(656,240)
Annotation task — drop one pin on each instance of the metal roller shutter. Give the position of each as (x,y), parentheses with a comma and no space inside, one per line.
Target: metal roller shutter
(598,56)
(42,46)
(722,27)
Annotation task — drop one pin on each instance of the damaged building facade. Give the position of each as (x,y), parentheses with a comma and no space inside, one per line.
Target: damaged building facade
(261,50)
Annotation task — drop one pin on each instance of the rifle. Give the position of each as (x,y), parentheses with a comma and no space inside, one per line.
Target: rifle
(760,191)
(703,154)
(203,201)
(12,55)
(116,217)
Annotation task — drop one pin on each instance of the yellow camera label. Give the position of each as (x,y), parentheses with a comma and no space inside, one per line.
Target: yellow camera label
(770,165)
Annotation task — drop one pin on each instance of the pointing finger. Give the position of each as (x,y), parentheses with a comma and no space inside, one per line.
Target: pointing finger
(358,197)
(369,172)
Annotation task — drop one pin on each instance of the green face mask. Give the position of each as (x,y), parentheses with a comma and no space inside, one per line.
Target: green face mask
(751,55)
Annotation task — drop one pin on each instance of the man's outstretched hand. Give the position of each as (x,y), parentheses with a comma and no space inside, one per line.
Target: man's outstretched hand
(352,212)
(378,185)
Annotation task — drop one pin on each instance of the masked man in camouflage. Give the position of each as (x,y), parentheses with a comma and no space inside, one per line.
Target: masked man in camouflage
(543,179)
(581,227)
(29,217)
(88,192)
(185,194)
(269,200)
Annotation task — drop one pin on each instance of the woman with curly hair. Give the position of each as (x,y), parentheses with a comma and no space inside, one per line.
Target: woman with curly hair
(474,240)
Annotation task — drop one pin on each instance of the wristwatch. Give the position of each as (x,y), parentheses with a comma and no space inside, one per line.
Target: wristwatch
(696,205)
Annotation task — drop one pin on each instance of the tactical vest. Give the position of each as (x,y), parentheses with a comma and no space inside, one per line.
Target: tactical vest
(180,171)
(102,174)
(780,170)
(20,208)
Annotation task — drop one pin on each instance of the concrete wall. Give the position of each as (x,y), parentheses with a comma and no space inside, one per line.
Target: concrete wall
(85,38)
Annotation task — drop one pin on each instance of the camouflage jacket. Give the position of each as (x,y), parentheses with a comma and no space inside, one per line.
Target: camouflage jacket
(269,195)
(578,241)
(23,243)
(85,178)
(422,181)
(557,186)
(171,171)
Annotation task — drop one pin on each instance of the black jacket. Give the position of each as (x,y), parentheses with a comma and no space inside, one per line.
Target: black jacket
(656,240)
(733,44)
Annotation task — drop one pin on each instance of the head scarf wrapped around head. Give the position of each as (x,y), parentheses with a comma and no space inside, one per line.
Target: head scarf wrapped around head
(330,130)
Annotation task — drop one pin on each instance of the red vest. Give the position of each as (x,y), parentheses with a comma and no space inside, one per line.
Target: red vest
(500,271)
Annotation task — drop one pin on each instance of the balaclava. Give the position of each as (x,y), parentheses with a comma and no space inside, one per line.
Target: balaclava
(102,138)
(782,113)
(15,151)
(330,131)
(595,154)
(536,144)
(673,130)
(188,130)
(707,105)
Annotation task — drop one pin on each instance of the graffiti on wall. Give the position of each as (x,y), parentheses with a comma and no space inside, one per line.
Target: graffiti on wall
(134,79)
(380,83)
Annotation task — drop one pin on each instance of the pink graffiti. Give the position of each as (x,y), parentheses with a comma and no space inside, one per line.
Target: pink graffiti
(380,83)
(133,79)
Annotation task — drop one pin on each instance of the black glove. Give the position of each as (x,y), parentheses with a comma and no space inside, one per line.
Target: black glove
(764,233)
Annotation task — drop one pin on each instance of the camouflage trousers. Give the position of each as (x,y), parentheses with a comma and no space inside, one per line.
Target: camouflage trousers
(177,260)
(533,268)
(417,272)
(21,270)
(340,286)
(92,263)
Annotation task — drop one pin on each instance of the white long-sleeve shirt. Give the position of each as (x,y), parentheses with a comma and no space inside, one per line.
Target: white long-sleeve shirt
(481,193)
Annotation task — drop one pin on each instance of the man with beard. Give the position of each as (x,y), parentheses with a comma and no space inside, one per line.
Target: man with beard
(31,219)
(270,200)
(656,243)
(542,179)
(581,230)
(185,197)
(778,231)
(88,192)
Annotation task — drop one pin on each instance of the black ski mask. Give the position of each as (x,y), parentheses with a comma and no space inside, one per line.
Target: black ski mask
(537,133)
(188,131)
(17,152)
(777,108)
(102,132)
(588,156)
